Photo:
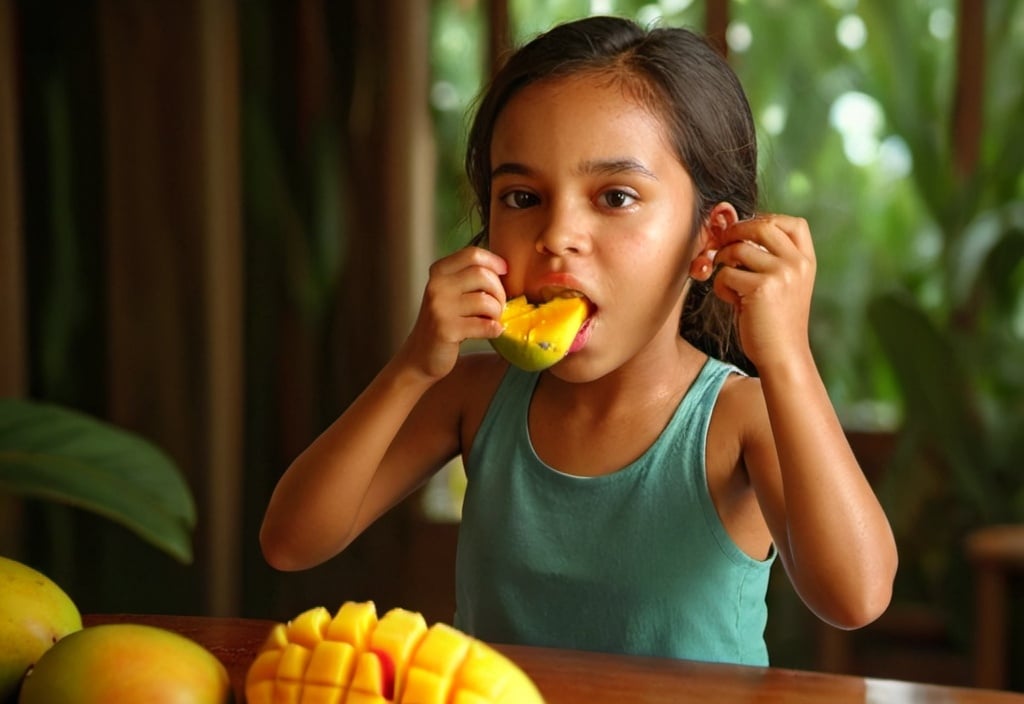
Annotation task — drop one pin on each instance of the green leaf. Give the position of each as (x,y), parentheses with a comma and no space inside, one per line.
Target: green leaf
(57,454)
(935,390)
(1003,266)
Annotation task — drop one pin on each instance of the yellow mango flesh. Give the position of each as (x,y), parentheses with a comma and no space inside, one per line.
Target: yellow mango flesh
(34,614)
(354,658)
(538,336)
(127,662)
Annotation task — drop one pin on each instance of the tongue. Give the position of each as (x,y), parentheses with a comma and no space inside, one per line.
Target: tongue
(581,337)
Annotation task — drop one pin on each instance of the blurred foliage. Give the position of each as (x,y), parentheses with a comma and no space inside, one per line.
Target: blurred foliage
(853,124)
(918,317)
(457,59)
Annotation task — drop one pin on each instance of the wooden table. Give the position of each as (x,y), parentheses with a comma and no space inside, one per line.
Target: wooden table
(574,677)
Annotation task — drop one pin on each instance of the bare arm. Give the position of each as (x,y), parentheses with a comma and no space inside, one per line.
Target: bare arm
(354,472)
(827,524)
(401,429)
(829,528)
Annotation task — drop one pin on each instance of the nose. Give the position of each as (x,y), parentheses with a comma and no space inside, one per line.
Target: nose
(564,233)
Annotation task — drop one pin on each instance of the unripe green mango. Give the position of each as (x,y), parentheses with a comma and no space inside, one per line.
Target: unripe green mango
(539,335)
(34,614)
(127,662)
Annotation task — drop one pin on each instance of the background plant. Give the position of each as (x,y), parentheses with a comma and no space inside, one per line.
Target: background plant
(918,319)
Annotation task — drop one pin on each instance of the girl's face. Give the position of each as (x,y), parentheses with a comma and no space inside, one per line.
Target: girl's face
(588,196)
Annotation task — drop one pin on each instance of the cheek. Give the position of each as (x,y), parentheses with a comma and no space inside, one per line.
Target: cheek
(517,261)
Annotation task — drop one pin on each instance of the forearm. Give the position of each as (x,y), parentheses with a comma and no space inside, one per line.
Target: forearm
(314,510)
(839,550)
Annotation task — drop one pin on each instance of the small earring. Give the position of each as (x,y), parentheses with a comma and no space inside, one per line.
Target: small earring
(703,269)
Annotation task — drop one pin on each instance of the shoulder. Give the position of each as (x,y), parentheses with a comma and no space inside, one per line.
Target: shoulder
(471,385)
(741,396)
(740,417)
(480,369)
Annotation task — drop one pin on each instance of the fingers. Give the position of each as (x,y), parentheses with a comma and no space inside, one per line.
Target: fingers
(765,269)
(756,242)
(464,297)
(469,257)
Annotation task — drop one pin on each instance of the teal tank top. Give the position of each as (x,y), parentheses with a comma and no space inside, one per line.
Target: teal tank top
(635,562)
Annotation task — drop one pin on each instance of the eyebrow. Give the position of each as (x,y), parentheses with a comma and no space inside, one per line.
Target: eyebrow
(589,167)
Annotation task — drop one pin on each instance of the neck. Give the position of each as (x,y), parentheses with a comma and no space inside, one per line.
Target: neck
(660,374)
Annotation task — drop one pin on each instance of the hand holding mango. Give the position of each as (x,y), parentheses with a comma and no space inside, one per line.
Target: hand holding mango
(353,657)
(537,336)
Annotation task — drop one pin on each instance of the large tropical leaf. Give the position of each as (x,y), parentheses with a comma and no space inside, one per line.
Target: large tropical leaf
(938,405)
(57,454)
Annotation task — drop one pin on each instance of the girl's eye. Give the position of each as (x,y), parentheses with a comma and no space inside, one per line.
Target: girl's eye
(618,198)
(519,199)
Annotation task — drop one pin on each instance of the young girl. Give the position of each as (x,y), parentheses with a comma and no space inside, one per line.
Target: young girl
(633,497)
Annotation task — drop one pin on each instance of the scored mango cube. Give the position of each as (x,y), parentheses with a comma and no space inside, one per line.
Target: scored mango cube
(309,628)
(354,623)
(354,658)
(369,678)
(332,664)
(442,651)
(425,687)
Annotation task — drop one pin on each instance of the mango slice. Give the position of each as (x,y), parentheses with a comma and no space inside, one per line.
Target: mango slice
(354,658)
(538,336)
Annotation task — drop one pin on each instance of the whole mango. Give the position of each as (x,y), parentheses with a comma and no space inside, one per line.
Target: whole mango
(127,662)
(539,335)
(34,614)
(354,658)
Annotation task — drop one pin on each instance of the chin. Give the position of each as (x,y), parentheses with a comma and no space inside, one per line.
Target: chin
(577,369)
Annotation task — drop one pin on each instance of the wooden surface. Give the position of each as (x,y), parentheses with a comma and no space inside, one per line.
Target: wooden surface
(994,552)
(572,677)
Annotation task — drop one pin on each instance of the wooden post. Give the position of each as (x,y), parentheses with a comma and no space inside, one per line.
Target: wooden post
(174,256)
(717,24)
(499,34)
(223,285)
(409,163)
(13,371)
(12,276)
(969,96)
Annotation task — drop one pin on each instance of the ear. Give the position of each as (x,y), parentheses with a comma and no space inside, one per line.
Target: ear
(710,239)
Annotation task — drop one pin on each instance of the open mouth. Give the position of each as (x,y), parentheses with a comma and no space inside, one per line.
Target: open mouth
(583,336)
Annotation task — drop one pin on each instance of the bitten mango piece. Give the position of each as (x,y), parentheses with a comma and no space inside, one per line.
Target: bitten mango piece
(539,335)
(354,658)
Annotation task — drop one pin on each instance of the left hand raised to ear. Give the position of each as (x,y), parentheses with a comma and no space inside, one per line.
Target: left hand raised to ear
(766,270)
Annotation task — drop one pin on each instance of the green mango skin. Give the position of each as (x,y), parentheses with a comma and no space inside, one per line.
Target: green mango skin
(127,662)
(34,614)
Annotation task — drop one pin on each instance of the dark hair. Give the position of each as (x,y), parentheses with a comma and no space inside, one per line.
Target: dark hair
(683,79)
